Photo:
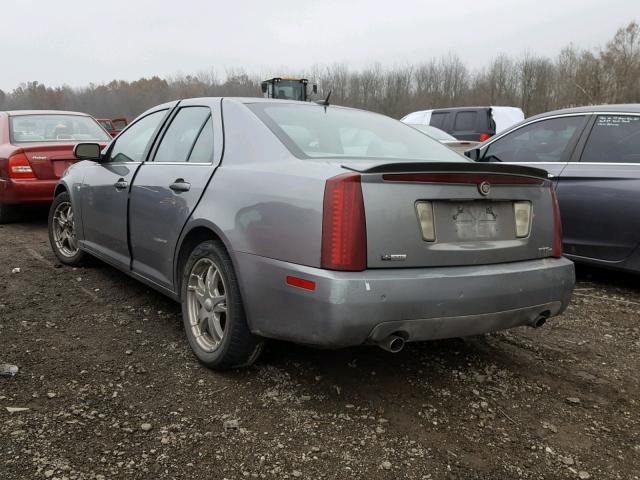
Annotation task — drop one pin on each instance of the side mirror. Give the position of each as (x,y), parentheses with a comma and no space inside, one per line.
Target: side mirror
(87,151)
(314,88)
(473,154)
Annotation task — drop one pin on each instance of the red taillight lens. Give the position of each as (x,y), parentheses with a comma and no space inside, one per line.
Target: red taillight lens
(557,226)
(19,167)
(484,136)
(344,236)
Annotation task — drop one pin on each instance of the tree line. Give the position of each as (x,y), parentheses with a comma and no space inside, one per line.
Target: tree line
(576,76)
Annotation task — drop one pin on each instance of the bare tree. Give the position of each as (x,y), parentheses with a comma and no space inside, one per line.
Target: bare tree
(536,84)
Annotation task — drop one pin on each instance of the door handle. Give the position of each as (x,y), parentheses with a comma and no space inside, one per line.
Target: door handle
(179,185)
(121,183)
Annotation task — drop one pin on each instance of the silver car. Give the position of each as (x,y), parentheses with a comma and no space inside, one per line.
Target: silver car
(459,146)
(315,224)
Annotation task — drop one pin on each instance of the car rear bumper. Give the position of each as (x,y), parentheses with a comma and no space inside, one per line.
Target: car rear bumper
(353,308)
(26,191)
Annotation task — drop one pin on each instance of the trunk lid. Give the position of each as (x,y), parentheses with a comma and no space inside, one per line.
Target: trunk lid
(473,213)
(49,161)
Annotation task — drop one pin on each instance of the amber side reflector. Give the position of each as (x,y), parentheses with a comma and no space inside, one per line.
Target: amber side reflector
(301,283)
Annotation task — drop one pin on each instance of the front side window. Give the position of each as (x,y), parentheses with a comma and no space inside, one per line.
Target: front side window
(614,139)
(130,146)
(313,131)
(180,137)
(55,128)
(543,141)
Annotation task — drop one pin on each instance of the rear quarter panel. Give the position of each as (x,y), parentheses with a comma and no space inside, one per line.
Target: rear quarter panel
(261,199)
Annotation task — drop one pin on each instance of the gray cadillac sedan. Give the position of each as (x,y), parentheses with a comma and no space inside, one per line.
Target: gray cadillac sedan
(312,223)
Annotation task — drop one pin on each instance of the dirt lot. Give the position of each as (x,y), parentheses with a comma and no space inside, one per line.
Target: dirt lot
(114,392)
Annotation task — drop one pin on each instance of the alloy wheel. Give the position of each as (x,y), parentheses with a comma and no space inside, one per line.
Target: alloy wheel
(207,304)
(64,232)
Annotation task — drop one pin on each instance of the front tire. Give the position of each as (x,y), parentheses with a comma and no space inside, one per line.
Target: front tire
(62,232)
(212,311)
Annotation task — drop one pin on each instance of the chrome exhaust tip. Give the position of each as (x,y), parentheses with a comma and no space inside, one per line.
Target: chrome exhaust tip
(540,321)
(393,343)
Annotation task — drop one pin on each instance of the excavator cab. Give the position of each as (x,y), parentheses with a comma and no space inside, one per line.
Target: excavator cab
(287,88)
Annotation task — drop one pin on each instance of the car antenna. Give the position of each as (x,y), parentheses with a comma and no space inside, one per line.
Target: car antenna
(325,102)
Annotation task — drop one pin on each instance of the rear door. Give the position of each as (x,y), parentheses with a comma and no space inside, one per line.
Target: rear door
(168,187)
(105,190)
(600,194)
(465,123)
(547,144)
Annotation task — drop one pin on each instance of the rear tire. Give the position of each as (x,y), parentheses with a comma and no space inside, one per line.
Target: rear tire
(62,232)
(212,311)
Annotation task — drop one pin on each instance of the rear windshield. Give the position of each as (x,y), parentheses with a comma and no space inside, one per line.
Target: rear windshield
(55,128)
(313,131)
(434,132)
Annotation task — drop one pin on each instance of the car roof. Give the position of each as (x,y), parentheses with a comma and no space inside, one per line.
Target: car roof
(16,113)
(617,108)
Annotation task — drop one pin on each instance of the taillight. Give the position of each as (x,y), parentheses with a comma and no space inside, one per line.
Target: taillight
(557,226)
(19,167)
(344,236)
(485,136)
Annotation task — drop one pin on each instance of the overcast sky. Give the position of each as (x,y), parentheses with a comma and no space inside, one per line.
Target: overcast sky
(75,42)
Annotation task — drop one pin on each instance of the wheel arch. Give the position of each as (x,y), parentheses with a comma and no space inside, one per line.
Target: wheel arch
(191,237)
(60,188)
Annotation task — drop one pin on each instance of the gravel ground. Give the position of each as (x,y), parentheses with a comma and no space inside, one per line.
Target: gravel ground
(112,391)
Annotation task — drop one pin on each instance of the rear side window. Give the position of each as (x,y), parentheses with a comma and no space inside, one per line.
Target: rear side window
(614,139)
(179,139)
(543,141)
(202,151)
(131,145)
(465,122)
(438,119)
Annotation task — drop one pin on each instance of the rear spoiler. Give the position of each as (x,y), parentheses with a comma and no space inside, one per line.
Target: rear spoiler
(454,167)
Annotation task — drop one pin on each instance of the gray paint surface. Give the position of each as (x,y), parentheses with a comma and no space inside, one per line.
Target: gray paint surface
(599,201)
(266,206)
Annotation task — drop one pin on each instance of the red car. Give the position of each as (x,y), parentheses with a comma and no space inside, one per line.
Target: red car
(36,147)
(113,125)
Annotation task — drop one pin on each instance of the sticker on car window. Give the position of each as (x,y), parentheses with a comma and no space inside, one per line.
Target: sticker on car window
(616,120)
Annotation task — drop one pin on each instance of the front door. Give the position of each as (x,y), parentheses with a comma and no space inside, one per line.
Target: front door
(105,191)
(168,187)
(546,144)
(599,195)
